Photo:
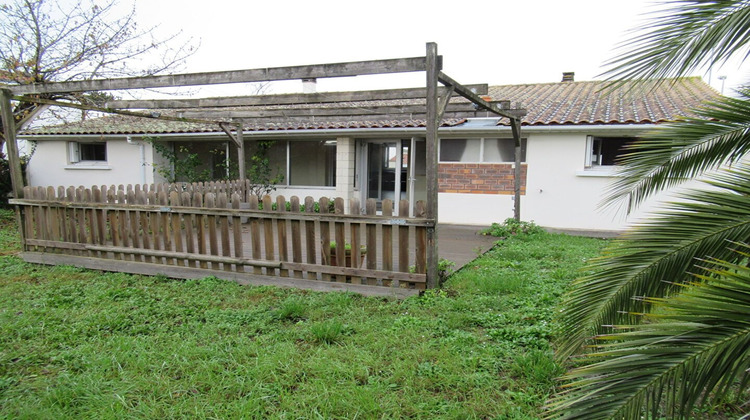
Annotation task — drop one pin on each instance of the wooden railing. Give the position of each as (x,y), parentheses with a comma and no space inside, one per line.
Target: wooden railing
(186,234)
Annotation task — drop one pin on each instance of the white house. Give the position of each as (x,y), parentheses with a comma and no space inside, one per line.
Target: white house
(572,133)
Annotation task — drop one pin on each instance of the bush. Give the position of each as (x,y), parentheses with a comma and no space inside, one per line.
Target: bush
(512,227)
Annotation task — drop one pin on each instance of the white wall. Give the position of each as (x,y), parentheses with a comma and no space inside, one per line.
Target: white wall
(559,192)
(49,166)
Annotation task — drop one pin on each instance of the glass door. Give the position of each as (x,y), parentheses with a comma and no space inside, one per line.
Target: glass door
(387,171)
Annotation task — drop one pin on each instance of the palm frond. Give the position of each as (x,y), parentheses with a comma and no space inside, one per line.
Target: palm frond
(698,349)
(657,255)
(690,35)
(719,134)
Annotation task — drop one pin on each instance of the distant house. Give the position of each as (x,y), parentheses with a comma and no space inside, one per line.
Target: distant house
(572,136)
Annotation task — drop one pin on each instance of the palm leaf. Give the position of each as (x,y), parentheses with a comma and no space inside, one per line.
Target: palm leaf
(654,257)
(697,350)
(685,37)
(669,155)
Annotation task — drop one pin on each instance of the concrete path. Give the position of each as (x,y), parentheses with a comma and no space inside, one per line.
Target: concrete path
(462,244)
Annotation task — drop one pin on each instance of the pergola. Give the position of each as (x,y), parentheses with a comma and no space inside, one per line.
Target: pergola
(437,93)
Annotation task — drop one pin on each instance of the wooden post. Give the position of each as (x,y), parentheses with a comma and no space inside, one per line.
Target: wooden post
(9,132)
(240,152)
(515,124)
(432,68)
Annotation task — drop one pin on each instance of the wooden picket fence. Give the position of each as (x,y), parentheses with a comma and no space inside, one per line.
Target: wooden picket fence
(194,231)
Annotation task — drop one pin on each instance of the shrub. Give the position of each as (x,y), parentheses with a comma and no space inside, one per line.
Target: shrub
(511,227)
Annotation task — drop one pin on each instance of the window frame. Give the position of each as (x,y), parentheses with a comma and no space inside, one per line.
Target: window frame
(481,160)
(75,153)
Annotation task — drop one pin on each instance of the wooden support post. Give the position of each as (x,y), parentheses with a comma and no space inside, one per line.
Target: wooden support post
(9,132)
(432,68)
(241,152)
(515,124)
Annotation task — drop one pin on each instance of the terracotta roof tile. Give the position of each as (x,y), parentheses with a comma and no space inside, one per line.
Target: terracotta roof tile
(562,103)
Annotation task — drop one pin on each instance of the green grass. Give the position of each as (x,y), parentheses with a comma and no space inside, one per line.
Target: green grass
(76,343)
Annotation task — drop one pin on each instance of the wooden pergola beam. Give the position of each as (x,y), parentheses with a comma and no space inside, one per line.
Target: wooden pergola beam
(476,99)
(282,99)
(356,68)
(393,111)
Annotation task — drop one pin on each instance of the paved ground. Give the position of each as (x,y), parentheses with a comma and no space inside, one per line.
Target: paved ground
(461,244)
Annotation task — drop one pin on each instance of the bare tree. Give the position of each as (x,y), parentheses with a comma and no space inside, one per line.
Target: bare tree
(46,40)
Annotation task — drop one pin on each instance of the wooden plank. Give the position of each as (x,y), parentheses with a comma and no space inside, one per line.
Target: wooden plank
(237,233)
(70,197)
(355,240)
(101,216)
(281,99)
(63,214)
(213,242)
(136,239)
(91,218)
(309,227)
(421,242)
(124,227)
(81,219)
(340,237)
(53,217)
(208,117)
(145,225)
(325,237)
(176,201)
(372,241)
(296,236)
(9,134)
(431,144)
(215,259)
(274,215)
(226,248)
(189,273)
(154,218)
(282,234)
(165,222)
(268,239)
(398,65)
(387,245)
(362,272)
(189,227)
(403,240)
(328,111)
(255,232)
(468,94)
(201,228)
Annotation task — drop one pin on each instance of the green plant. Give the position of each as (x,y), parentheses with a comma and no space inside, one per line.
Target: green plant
(445,269)
(185,165)
(512,227)
(667,340)
(260,173)
(327,332)
(348,247)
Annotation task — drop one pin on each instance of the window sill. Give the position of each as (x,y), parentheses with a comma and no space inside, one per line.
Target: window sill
(89,166)
(600,172)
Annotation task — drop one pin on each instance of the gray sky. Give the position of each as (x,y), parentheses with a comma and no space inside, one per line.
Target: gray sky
(495,42)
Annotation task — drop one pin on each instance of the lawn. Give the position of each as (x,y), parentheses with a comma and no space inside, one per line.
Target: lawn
(76,343)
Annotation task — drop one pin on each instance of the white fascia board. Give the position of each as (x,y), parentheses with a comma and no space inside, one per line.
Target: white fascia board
(457,131)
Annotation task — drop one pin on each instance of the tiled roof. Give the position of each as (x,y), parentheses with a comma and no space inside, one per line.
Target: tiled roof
(596,102)
(568,103)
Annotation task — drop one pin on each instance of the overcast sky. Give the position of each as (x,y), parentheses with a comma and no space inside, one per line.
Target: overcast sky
(495,42)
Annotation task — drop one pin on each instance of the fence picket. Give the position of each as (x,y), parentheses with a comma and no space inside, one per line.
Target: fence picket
(282,234)
(296,236)
(237,233)
(387,232)
(310,247)
(372,241)
(255,233)
(226,249)
(189,223)
(175,201)
(268,231)
(355,240)
(340,237)
(403,241)
(325,238)
(200,227)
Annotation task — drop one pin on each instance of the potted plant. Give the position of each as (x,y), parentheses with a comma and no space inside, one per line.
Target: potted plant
(347,253)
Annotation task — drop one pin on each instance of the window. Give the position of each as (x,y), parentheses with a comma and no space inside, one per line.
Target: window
(312,163)
(87,152)
(480,150)
(605,151)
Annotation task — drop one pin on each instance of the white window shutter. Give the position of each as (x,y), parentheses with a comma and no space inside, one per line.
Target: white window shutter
(74,154)
(589,151)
